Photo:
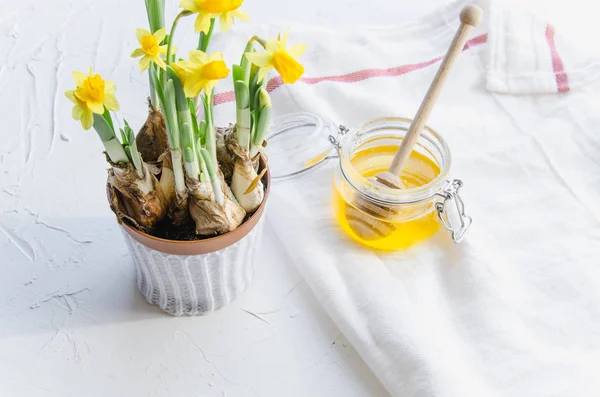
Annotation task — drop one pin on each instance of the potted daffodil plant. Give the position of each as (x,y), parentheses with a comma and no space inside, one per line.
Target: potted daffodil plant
(188,194)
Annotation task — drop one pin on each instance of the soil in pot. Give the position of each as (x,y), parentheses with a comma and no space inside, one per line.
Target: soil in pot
(165,229)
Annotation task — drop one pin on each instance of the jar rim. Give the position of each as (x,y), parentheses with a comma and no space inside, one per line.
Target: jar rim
(384,194)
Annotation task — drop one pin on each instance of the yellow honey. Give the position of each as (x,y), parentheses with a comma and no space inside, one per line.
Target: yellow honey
(383,234)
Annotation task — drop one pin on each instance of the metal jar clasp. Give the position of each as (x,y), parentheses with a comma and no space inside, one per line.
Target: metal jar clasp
(336,140)
(460,222)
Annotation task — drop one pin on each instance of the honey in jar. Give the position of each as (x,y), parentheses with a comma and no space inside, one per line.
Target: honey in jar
(387,234)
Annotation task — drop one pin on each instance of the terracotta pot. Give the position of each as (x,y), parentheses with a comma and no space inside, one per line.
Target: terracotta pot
(197,277)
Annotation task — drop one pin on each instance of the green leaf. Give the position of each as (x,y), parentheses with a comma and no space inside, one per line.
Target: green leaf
(204,39)
(188,155)
(124,137)
(156,14)
(237,73)
(157,84)
(246,64)
(170,111)
(182,103)
(187,136)
(207,160)
(103,129)
(108,118)
(242,94)
(253,85)
(192,107)
(202,131)
(254,70)
(183,109)
(256,102)
(133,154)
(253,123)
(204,174)
(206,105)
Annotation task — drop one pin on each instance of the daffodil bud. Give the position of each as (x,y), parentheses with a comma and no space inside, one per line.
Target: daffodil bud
(264,118)
(265,98)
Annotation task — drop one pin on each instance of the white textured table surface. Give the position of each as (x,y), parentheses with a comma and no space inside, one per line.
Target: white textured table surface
(71,320)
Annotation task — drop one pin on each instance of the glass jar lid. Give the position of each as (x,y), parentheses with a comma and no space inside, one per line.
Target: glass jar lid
(299,142)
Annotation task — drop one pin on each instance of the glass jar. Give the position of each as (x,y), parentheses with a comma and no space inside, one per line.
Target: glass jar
(369,212)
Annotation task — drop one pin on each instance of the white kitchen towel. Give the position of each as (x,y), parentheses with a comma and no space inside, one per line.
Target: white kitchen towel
(515,309)
(527,55)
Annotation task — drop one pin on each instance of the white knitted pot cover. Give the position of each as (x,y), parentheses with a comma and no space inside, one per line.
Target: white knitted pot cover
(195,284)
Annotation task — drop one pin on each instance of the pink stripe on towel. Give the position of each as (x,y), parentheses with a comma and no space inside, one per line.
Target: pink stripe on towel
(562,81)
(354,77)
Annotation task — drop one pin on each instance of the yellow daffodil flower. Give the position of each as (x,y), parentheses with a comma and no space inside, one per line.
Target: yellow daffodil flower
(151,49)
(225,10)
(91,96)
(201,72)
(279,57)
(81,111)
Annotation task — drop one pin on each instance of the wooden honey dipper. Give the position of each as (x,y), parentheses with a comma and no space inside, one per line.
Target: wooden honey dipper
(370,228)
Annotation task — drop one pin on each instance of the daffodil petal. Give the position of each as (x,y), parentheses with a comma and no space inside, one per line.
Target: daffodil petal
(263,72)
(225,21)
(209,86)
(139,33)
(79,78)
(180,72)
(271,45)
(283,41)
(159,61)
(260,59)
(214,71)
(185,66)
(215,56)
(193,86)
(111,102)
(289,69)
(145,63)
(87,119)
(138,52)
(69,94)
(163,49)
(109,87)
(189,5)
(202,23)
(77,95)
(297,50)
(77,112)
(160,34)
(199,57)
(241,15)
(96,107)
